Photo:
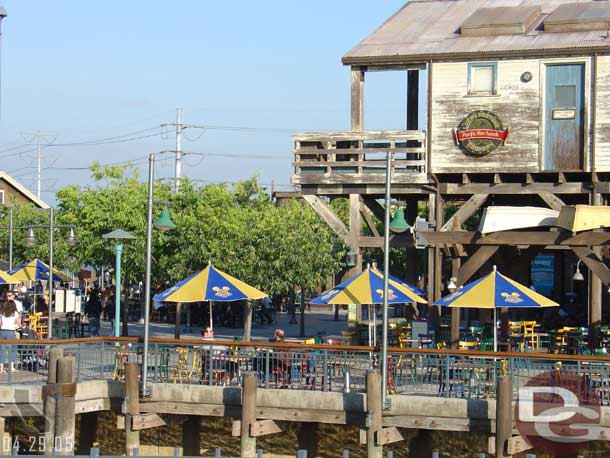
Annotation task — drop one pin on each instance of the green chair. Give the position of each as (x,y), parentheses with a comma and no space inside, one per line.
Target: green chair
(487,344)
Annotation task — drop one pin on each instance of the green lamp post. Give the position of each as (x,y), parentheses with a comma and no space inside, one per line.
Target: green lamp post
(118,235)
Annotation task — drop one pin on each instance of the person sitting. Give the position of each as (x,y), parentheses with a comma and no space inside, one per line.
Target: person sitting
(278,336)
(207,333)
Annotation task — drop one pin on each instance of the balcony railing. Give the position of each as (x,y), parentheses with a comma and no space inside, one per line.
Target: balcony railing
(359,157)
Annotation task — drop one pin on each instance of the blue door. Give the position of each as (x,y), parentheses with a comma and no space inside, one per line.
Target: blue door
(564,124)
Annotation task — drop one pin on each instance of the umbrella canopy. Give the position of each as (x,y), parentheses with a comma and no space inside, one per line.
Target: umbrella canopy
(495,291)
(36,270)
(209,285)
(7,279)
(367,288)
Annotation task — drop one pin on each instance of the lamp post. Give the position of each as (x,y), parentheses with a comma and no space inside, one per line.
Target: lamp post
(398,224)
(30,240)
(164,223)
(118,235)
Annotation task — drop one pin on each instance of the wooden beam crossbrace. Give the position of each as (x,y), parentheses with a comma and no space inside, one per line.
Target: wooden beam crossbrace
(554,202)
(324,211)
(375,207)
(369,221)
(464,212)
(474,263)
(518,238)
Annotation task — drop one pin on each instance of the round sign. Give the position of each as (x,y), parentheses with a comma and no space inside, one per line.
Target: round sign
(559,412)
(481,132)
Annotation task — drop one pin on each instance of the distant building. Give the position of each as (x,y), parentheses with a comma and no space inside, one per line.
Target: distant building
(14,193)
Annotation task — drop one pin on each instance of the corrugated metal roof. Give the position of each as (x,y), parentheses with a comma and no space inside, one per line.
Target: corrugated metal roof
(425,29)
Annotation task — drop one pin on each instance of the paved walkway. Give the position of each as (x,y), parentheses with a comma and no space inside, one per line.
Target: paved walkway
(319,320)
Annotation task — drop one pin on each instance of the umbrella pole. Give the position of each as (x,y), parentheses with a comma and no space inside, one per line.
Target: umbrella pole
(495,330)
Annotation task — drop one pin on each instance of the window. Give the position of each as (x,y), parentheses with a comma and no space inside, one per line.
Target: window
(1,196)
(482,79)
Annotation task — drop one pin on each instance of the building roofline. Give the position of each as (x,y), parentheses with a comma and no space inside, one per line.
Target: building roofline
(23,190)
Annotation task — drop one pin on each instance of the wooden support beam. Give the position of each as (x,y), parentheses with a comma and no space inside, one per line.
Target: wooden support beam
(88,432)
(504,407)
(517,238)
(375,207)
(412,100)
(515,188)
(404,240)
(357,122)
(466,211)
(594,263)
(474,263)
(333,221)
(264,428)
(248,415)
(50,402)
(369,221)
(308,436)
(554,202)
(440,423)
(191,436)
(132,401)
(65,416)
(375,414)
(151,420)
(455,311)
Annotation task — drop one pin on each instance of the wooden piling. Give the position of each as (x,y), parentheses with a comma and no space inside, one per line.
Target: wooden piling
(132,401)
(307,436)
(248,415)
(88,432)
(5,439)
(191,436)
(50,401)
(504,408)
(65,414)
(374,414)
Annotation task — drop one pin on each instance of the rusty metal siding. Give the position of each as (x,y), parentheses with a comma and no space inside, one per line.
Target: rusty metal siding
(425,30)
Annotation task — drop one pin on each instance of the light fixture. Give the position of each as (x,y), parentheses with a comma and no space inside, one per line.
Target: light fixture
(30,239)
(578,275)
(351,258)
(164,223)
(72,240)
(452,285)
(399,224)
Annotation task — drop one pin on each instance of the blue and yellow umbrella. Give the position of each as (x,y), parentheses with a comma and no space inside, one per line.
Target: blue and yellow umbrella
(208,285)
(367,288)
(7,279)
(36,270)
(494,291)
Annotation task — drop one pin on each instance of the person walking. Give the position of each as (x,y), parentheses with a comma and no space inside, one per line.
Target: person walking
(93,310)
(10,323)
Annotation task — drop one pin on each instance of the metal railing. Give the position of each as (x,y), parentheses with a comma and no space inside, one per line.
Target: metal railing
(445,373)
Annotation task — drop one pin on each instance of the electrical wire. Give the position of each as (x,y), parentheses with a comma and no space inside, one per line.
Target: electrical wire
(116,139)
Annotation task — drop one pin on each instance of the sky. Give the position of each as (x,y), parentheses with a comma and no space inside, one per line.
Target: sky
(99,78)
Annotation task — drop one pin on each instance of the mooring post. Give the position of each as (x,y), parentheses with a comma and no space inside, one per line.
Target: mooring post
(88,432)
(504,407)
(50,402)
(65,413)
(132,401)
(191,436)
(374,413)
(248,415)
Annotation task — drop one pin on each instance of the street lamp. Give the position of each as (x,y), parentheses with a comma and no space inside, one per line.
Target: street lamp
(118,235)
(164,223)
(399,224)
(578,276)
(30,239)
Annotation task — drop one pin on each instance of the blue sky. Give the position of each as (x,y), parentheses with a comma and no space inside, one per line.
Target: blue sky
(84,70)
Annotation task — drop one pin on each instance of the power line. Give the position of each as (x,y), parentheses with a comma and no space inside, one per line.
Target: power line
(115,139)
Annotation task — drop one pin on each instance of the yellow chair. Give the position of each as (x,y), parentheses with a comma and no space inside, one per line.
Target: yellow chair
(530,334)
(188,365)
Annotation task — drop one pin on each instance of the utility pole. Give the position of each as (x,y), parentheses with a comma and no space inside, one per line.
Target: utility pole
(179,128)
(39,135)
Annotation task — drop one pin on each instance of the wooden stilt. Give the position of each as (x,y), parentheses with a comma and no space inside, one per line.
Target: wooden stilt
(374,413)
(65,414)
(50,401)
(307,436)
(88,432)
(191,436)
(504,407)
(248,415)
(132,399)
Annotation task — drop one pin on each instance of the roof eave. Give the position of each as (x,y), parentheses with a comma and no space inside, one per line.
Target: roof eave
(404,59)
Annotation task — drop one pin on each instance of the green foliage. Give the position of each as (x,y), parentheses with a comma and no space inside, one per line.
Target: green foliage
(237,228)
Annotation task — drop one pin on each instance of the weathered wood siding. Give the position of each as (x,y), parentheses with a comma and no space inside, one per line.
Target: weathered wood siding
(602,132)
(517,104)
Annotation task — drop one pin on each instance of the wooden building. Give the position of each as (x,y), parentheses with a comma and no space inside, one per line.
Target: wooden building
(14,193)
(516,113)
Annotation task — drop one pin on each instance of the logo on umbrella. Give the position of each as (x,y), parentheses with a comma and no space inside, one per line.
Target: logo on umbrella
(391,294)
(328,294)
(222,292)
(512,298)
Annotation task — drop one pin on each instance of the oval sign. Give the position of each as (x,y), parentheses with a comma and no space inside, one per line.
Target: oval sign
(481,132)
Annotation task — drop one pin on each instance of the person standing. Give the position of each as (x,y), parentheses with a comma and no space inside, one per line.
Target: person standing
(93,310)
(10,323)
(10,296)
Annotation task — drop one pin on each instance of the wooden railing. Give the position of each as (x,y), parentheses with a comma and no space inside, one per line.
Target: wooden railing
(359,157)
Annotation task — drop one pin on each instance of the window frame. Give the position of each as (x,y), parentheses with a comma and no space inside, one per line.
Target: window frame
(494,66)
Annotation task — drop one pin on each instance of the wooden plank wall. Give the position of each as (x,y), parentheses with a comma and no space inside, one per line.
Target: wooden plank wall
(517,104)
(602,134)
